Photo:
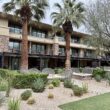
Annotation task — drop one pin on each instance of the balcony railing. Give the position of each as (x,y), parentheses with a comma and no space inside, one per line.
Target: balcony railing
(90,55)
(15,50)
(75,54)
(15,30)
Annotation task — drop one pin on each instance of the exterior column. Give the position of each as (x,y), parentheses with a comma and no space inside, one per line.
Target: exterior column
(48,50)
(56,46)
(30,47)
(81,53)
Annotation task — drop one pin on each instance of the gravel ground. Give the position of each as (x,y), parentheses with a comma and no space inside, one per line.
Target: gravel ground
(61,95)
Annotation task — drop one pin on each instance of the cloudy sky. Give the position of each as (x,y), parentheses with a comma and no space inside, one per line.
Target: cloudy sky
(51,9)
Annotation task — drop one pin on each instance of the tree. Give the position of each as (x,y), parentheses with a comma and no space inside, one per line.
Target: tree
(98,24)
(26,10)
(70,14)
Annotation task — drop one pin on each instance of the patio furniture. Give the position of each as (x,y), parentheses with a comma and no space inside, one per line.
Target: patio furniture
(34,70)
(82,76)
(76,70)
(85,74)
(87,70)
(67,74)
(48,71)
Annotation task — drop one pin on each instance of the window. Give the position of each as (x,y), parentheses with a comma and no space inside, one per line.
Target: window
(37,33)
(74,52)
(75,40)
(38,48)
(14,46)
(89,53)
(61,51)
(13,28)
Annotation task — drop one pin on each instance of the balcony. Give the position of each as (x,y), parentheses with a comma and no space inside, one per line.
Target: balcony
(89,55)
(15,30)
(75,55)
(14,50)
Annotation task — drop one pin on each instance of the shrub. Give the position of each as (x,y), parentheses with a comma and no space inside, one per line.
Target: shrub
(31,101)
(26,80)
(108,77)
(78,91)
(98,78)
(4,73)
(99,71)
(38,85)
(58,70)
(80,69)
(26,94)
(85,88)
(2,99)
(50,96)
(50,86)
(3,85)
(14,105)
(9,86)
(56,82)
(68,83)
(75,86)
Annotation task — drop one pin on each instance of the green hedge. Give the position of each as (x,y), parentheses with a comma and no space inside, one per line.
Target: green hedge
(21,80)
(26,80)
(4,73)
(99,71)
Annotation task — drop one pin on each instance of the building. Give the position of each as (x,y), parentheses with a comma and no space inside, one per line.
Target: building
(44,49)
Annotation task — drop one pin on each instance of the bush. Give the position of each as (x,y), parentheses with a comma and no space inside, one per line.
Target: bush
(99,71)
(56,82)
(38,85)
(85,88)
(3,85)
(80,69)
(31,101)
(26,94)
(26,80)
(58,70)
(50,96)
(50,86)
(14,105)
(4,73)
(68,83)
(98,78)
(78,91)
(75,86)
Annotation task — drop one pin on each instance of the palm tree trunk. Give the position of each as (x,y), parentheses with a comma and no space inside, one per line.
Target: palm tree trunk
(24,47)
(68,57)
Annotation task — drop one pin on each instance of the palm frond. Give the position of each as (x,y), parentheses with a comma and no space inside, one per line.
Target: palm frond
(7,7)
(70,10)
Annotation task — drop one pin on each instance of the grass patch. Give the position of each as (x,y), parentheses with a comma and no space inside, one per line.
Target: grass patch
(100,102)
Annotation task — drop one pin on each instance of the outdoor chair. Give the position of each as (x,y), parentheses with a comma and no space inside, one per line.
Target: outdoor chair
(67,74)
(76,70)
(34,70)
(48,71)
(87,70)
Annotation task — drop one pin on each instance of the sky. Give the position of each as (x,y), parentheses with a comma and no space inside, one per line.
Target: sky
(51,9)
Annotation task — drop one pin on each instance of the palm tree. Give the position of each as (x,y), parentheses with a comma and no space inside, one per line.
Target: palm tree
(26,10)
(69,14)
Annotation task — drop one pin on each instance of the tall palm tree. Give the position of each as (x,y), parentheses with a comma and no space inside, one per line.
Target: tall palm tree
(69,14)
(26,10)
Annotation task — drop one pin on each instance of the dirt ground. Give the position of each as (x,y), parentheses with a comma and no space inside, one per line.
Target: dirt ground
(61,95)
